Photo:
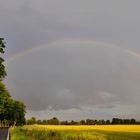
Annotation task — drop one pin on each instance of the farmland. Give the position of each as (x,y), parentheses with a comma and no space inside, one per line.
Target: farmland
(76,132)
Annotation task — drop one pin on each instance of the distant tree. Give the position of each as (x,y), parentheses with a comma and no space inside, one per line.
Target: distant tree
(82,122)
(108,122)
(64,123)
(73,122)
(99,122)
(53,121)
(127,121)
(44,122)
(39,122)
(116,121)
(132,121)
(123,121)
(28,122)
(33,120)
(90,122)
(103,122)
(96,122)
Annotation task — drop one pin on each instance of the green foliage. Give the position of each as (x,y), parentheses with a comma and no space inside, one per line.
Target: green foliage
(73,122)
(4,100)
(16,134)
(124,121)
(31,121)
(35,134)
(2,67)
(53,121)
(12,112)
(64,123)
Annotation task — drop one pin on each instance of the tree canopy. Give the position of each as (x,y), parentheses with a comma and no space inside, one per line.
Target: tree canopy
(2,67)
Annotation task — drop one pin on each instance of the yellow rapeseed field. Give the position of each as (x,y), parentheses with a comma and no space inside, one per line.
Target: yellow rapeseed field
(119,128)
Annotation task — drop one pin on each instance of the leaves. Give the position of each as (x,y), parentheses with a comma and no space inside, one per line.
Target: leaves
(12,112)
(2,67)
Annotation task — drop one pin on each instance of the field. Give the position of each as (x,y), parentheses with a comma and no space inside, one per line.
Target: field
(79,132)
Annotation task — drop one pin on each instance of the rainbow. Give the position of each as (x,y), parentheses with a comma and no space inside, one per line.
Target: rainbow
(95,43)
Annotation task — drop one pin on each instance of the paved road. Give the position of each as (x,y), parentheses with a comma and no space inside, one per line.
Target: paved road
(4,132)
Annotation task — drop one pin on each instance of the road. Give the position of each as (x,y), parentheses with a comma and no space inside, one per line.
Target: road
(4,133)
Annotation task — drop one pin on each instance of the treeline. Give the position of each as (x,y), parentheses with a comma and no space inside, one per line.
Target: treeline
(55,121)
(12,112)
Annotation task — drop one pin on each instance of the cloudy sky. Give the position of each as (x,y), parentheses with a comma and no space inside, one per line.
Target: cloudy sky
(73,59)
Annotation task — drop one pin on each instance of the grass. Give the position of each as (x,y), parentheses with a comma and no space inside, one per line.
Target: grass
(60,132)
(16,134)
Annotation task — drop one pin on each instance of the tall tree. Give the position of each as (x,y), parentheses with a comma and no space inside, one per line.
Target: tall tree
(4,98)
(12,112)
(2,67)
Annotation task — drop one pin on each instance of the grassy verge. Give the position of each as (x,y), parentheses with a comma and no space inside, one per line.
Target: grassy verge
(21,133)
(16,134)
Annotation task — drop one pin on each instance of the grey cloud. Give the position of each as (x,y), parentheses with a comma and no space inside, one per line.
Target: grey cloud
(30,23)
(61,78)
(107,106)
(26,27)
(66,76)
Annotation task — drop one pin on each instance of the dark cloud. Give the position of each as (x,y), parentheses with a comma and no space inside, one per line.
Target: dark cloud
(76,76)
(73,77)
(30,23)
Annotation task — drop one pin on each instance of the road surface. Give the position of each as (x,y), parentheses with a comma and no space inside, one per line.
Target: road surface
(4,133)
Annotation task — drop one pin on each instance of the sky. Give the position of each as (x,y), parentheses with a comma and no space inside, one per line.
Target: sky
(73,59)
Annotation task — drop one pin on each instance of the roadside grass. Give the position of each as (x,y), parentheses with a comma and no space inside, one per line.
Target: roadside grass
(16,134)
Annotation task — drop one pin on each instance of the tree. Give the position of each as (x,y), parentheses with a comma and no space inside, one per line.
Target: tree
(116,121)
(132,121)
(64,123)
(31,121)
(107,122)
(4,99)
(12,112)
(44,122)
(82,122)
(53,121)
(2,67)
(90,122)
(73,122)
(18,112)
(39,122)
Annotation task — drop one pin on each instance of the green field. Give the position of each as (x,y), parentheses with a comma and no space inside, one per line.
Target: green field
(114,132)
